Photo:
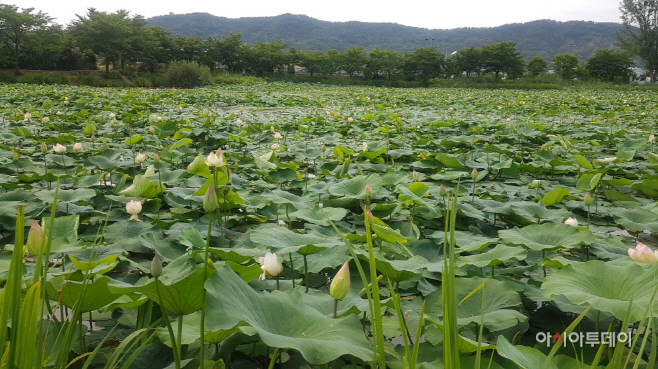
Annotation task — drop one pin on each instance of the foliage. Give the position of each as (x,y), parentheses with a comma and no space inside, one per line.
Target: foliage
(565,65)
(608,64)
(536,66)
(187,74)
(502,58)
(16,25)
(426,63)
(640,33)
(512,267)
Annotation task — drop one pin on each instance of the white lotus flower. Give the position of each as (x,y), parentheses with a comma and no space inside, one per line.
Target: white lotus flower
(270,265)
(77,147)
(140,157)
(133,208)
(643,254)
(59,149)
(572,222)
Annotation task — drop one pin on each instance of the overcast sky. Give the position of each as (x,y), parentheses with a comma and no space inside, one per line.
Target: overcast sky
(438,14)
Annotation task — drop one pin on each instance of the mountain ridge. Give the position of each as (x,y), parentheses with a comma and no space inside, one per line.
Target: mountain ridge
(543,37)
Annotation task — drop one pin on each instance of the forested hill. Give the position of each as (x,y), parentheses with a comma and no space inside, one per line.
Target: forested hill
(542,37)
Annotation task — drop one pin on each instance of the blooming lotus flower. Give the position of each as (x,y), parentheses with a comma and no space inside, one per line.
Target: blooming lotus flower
(277,135)
(35,238)
(643,254)
(28,116)
(133,208)
(59,113)
(213,160)
(112,115)
(59,149)
(238,122)
(340,285)
(77,147)
(270,265)
(275,147)
(572,222)
(350,119)
(140,157)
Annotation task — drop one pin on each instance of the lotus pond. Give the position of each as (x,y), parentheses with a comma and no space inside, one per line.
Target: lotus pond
(495,226)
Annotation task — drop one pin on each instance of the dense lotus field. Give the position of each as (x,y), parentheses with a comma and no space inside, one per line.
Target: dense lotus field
(159,227)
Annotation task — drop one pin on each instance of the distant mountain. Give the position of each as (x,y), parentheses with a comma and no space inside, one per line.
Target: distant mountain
(542,37)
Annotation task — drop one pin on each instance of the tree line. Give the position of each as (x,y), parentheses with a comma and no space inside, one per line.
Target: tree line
(31,41)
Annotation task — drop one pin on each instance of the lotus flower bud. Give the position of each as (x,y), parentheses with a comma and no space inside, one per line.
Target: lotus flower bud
(156,158)
(572,222)
(270,265)
(369,216)
(140,157)
(28,116)
(14,155)
(474,173)
(112,115)
(414,175)
(442,190)
(368,190)
(45,120)
(643,254)
(588,199)
(156,266)
(486,144)
(535,183)
(350,119)
(59,149)
(652,138)
(493,137)
(323,147)
(272,128)
(238,122)
(35,238)
(277,136)
(77,147)
(364,147)
(44,147)
(151,129)
(210,201)
(340,285)
(59,113)
(275,147)
(133,208)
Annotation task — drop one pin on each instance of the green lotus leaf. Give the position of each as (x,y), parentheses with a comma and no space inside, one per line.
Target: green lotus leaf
(547,236)
(282,240)
(93,296)
(499,254)
(636,219)
(355,187)
(319,216)
(523,356)
(182,296)
(500,310)
(282,320)
(555,196)
(607,286)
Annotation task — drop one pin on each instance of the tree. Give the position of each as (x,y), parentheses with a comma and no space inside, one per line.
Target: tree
(386,62)
(426,63)
(15,25)
(230,52)
(536,66)
(502,58)
(469,60)
(609,64)
(106,34)
(353,60)
(565,65)
(640,33)
(312,61)
(265,57)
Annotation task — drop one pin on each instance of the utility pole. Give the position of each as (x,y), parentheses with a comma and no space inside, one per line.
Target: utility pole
(430,40)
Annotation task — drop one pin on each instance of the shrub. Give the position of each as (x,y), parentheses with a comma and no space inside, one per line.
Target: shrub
(43,78)
(187,75)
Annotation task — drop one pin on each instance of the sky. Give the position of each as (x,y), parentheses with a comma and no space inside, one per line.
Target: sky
(440,14)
